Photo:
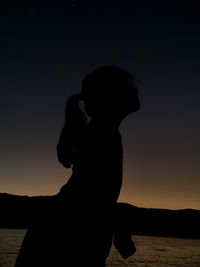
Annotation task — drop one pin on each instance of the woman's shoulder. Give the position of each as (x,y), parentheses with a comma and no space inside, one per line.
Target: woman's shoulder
(101,129)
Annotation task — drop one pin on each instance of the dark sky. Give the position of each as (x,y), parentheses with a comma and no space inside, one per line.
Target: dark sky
(46,50)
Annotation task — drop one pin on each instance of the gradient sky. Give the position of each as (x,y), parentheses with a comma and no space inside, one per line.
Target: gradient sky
(45,53)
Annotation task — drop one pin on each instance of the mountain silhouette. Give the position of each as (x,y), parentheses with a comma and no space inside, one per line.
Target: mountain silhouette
(17,212)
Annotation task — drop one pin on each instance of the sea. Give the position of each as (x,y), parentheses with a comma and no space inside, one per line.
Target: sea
(151,251)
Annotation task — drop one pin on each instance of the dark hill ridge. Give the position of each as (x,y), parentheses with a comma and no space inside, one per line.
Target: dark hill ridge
(183,223)
(17,212)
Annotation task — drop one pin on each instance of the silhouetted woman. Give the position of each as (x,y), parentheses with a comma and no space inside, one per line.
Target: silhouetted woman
(77,226)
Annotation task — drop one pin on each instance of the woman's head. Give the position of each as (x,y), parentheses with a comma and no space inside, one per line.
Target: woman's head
(111,90)
(105,91)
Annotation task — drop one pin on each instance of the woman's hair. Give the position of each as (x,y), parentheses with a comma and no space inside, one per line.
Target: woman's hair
(98,89)
(109,78)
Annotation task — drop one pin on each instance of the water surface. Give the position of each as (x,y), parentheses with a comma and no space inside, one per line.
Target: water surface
(151,251)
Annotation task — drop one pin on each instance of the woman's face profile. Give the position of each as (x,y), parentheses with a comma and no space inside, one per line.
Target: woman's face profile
(131,102)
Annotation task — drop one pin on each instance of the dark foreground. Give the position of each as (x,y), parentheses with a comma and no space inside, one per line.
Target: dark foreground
(16,212)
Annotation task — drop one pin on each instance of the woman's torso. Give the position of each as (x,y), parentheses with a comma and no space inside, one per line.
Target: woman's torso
(97,170)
